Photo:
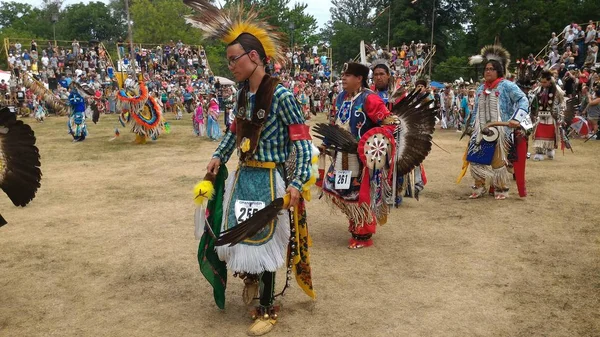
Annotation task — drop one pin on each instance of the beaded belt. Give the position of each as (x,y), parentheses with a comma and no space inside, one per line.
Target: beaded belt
(260,164)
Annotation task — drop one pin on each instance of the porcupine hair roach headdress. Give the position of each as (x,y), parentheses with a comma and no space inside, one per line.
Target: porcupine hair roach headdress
(492,52)
(228,24)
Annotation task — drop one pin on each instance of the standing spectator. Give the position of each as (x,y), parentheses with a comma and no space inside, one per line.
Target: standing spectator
(3,89)
(553,41)
(75,48)
(590,34)
(553,56)
(569,38)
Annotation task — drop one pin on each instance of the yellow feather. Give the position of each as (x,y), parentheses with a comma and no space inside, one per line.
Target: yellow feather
(261,34)
(203,191)
(286,200)
(306,195)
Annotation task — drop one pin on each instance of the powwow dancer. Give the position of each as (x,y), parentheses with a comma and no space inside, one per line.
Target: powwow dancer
(142,112)
(198,120)
(547,109)
(76,122)
(411,183)
(40,112)
(213,130)
(267,129)
(501,122)
(363,148)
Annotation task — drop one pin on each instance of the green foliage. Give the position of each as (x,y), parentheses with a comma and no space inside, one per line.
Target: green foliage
(215,53)
(279,14)
(91,21)
(11,13)
(453,68)
(351,22)
(159,21)
(525,26)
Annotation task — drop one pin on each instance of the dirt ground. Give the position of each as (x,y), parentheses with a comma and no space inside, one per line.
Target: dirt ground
(107,249)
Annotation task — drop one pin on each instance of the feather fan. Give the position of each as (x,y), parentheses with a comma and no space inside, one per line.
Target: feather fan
(254,224)
(336,138)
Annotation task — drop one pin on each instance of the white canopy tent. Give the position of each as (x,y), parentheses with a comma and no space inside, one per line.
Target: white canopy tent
(224,80)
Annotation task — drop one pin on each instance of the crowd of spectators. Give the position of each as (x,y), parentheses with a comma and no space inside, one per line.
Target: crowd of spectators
(573,55)
(179,75)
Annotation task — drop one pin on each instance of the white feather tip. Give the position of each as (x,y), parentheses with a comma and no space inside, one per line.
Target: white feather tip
(475,59)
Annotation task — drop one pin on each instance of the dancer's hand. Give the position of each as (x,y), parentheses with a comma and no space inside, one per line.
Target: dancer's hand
(294,196)
(213,166)
(513,123)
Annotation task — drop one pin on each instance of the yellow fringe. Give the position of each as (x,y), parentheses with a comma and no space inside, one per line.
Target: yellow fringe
(465,166)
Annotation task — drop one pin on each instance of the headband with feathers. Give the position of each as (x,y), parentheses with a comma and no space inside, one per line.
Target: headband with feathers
(228,24)
(492,52)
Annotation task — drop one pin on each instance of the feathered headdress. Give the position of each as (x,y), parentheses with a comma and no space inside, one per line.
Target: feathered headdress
(374,60)
(526,75)
(492,52)
(228,24)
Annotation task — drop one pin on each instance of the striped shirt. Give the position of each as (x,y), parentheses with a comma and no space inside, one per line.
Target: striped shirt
(274,144)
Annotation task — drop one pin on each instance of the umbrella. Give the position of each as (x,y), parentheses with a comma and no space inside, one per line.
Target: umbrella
(224,80)
(580,125)
(436,84)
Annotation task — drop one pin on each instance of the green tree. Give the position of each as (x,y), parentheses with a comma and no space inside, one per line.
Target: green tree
(215,53)
(525,26)
(411,20)
(279,14)
(453,68)
(351,22)
(305,31)
(11,12)
(91,21)
(159,21)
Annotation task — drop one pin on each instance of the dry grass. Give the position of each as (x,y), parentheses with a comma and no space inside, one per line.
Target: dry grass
(107,249)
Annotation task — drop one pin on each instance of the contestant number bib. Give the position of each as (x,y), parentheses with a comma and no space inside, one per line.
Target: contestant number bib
(342,179)
(245,209)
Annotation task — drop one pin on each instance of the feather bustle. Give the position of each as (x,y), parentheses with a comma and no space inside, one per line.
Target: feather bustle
(417,124)
(20,172)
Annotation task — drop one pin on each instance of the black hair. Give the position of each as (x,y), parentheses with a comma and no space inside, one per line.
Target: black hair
(546,75)
(497,67)
(249,43)
(382,66)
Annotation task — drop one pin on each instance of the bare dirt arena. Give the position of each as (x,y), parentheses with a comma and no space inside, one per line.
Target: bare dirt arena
(107,249)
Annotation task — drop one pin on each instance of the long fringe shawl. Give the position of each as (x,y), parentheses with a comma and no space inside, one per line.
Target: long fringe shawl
(358,213)
(257,259)
(543,144)
(501,179)
(480,172)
